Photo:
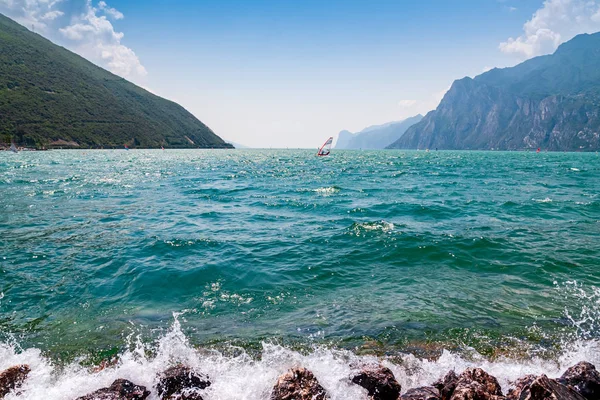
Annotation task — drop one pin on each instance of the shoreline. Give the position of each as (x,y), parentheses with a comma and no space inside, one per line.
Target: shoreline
(239,374)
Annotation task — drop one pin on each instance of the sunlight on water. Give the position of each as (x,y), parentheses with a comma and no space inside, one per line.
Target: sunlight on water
(270,259)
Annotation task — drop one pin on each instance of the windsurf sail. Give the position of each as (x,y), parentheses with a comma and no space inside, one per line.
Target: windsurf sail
(13,148)
(326,148)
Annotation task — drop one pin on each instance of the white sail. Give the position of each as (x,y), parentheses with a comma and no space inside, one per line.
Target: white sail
(326,148)
(13,148)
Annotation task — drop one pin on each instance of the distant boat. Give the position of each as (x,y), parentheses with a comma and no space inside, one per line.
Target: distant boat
(13,148)
(325,150)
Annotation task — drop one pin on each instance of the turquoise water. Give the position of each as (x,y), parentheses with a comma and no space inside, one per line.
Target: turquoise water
(372,251)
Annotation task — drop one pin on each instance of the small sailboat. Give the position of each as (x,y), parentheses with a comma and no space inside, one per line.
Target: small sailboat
(13,148)
(325,150)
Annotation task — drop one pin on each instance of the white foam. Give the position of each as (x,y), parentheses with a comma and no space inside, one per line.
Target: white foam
(381,226)
(326,191)
(243,377)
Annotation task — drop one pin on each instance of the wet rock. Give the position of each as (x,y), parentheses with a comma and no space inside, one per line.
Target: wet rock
(520,385)
(12,379)
(422,393)
(379,382)
(298,384)
(181,383)
(476,384)
(542,388)
(121,389)
(446,385)
(583,378)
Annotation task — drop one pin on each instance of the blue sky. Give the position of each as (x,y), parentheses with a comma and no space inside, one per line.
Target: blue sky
(292,73)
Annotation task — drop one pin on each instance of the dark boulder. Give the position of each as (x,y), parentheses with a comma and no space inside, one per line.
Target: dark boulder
(379,382)
(542,388)
(422,393)
(181,383)
(121,389)
(13,378)
(298,384)
(520,385)
(446,385)
(476,384)
(584,379)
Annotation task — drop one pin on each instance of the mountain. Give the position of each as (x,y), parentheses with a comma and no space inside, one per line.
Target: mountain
(237,145)
(550,102)
(50,96)
(377,136)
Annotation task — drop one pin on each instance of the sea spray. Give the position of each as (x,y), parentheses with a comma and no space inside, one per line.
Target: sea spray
(282,259)
(236,374)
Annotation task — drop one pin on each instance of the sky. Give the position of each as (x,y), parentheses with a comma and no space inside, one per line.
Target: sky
(291,73)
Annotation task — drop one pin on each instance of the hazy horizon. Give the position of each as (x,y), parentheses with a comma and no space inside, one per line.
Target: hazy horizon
(283,75)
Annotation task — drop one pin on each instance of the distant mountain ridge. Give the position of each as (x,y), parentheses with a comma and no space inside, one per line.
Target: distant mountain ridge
(376,136)
(51,97)
(550,102)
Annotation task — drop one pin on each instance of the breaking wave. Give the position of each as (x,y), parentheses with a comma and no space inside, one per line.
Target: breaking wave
(238,373)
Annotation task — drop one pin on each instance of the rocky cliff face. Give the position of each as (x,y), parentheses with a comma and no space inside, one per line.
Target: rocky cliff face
(344,139)
(550,102)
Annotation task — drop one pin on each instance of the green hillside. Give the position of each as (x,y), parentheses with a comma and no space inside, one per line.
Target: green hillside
(50,96)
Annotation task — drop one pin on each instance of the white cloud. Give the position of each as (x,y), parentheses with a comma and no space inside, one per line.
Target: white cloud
(407,103)
(554,23)
(34,14)
(94,37)
(86,31)
(511,9)
(116,14)
(52,15)
(411,108)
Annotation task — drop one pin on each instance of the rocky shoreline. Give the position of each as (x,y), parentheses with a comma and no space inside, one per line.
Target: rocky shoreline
(180,382)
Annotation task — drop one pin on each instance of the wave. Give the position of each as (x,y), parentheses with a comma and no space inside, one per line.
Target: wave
(237,374)
(362,228)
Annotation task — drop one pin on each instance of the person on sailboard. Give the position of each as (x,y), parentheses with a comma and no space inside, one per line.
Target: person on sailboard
(326,148)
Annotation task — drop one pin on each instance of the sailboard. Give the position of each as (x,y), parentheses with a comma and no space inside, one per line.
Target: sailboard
(13,148)
(325,150)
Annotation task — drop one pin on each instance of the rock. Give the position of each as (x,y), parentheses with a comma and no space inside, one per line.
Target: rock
(379,382)
(422,393)
(181,383)
(583,378)
(476,384)
(473,391)
(13,378)
(542,388)
(298,384)
(520,385)
(446,385)
(519,108)
(185,395)
(120,389)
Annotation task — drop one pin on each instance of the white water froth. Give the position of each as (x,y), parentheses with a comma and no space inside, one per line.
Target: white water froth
(244,377)
(326,191)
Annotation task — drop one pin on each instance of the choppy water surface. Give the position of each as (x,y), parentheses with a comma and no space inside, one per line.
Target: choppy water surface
(263,259)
